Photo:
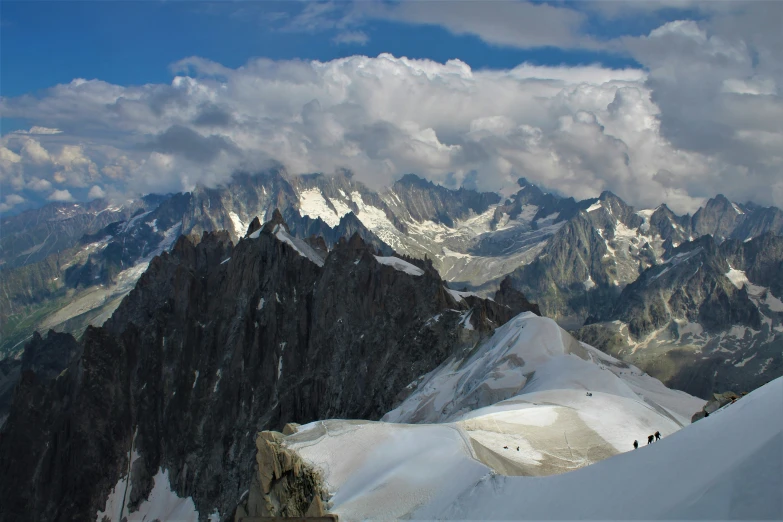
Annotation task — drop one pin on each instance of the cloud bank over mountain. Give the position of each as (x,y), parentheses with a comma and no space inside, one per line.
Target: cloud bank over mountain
(702,114)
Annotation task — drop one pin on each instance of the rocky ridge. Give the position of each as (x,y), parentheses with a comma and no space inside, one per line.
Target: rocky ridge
(219,342)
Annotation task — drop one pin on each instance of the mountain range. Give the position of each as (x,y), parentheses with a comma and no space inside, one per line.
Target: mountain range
(171,406)
(591,265)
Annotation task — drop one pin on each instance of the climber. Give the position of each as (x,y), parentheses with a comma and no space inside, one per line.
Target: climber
(650,439)
(517,448)
(505,447)
(635,444)
(657,435)
(589,394)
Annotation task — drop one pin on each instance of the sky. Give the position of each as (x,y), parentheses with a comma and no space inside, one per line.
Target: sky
(660,102)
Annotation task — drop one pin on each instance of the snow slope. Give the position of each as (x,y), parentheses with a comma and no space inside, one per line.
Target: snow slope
(530,401)
(533,354)
(400,264)
(727,466)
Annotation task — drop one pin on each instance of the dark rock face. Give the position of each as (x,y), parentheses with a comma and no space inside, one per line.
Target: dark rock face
(10,371)
(708,333)
(760,258)
(424,200)
(722,219)
(717,218)
(670,226)
(556,278)
(216,343)
(691,285)
(514,299)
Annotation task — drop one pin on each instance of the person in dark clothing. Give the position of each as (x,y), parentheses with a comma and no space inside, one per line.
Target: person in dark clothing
(635,444)
(517,448)
(650,439)
(505,447)
(657,435)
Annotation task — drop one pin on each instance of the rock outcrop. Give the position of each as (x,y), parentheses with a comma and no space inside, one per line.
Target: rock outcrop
(284,485)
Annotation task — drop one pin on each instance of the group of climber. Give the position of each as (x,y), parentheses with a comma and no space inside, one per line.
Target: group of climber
(650,439)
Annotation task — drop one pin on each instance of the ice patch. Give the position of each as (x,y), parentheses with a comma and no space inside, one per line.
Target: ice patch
(460,296)
(195,380)
(399,264)
(217,382)
(736,208)
(465,321)
(589,283)
(260,304)
(313,204)
(239,226)
(302,248)
(646,214)
(164,504)
(775,304)
(764,366)
(745,361)
(595,206)
(737,277)
(226,260)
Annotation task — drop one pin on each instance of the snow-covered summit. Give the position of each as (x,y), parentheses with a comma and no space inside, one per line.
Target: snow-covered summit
(532,354)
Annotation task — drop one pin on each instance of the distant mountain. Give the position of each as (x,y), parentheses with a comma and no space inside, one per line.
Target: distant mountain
(707,318)
(573,258)
(33,235)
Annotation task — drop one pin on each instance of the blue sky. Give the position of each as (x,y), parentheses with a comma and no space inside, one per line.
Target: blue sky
(658,101)
(134,42)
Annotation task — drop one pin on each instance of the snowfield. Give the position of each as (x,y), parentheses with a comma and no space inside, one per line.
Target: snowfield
(727,466)
(511,432)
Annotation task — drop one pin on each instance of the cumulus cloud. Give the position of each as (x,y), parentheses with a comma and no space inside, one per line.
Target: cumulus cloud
(60,195)
(717,83)
(39,185)
(578,130)
(11,200)
(96,192)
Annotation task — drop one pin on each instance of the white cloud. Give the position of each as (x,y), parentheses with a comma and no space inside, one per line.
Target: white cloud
(519,24)
(579,130)
(34,152)
(39,130)
(14,199)
(96,192)
(39,185)
(717,83)
(60,195)
(351,37)
(11,200)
